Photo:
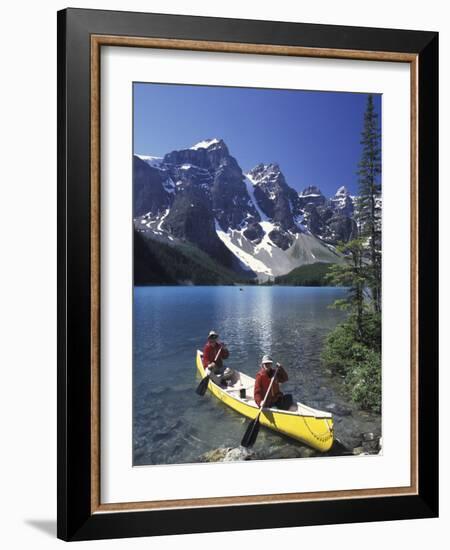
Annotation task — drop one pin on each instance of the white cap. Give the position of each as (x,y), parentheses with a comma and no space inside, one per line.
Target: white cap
(212,333)
(267,359)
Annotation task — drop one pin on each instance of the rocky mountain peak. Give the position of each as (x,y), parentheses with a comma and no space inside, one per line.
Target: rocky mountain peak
(311,191)
(265,173)
(276,200)
(269,179)
(342,191)
(342,202)
(311,197)
(207,155)
(212,143)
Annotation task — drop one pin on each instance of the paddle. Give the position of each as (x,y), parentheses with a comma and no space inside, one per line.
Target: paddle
(201,388)
(251,433)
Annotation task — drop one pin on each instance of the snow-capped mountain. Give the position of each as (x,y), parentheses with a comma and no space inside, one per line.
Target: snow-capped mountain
(253,222)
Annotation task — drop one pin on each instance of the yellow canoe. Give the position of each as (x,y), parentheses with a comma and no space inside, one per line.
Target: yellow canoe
(309,426)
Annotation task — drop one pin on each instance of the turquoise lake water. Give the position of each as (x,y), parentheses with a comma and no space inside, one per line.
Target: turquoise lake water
(171,423)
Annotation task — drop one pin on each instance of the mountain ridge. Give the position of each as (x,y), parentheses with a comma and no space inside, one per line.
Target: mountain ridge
(253,223)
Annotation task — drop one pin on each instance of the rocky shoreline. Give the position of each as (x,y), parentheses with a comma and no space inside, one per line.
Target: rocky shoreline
(370,444)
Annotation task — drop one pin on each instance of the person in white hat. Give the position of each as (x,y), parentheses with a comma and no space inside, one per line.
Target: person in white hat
(276,398)
(214,353)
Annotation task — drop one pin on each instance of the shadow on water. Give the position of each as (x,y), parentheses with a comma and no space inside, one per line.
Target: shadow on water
(172,424)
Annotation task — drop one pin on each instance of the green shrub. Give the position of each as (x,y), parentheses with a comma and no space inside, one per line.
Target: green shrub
(364,381)
(358,358)
(338,350)
(371,330)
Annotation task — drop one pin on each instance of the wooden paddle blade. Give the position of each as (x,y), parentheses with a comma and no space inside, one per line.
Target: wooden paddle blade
(251,433)
(203,386)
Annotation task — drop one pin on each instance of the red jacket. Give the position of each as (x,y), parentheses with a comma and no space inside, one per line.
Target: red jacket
(262,383)
(210,351)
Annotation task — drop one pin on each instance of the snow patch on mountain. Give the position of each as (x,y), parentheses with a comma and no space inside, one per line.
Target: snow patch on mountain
(161,220)
(299,222)
(247,258)
(266,243)
(169,185)
(342,191)
(154,162)
(205,144)
(268,260)
(250,184)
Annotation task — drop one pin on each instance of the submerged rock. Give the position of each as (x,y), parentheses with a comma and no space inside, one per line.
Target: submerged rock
(338,410)
(359,451)
(215,455)
(339,449)
(370,442)
(239,453)
(288,451)
(160,436)
(228,454)
(307,452)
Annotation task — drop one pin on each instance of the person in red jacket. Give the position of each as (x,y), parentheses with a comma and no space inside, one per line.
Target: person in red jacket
(276,398)
(214,353)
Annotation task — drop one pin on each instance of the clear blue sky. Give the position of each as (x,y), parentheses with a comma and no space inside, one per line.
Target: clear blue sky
(313,136)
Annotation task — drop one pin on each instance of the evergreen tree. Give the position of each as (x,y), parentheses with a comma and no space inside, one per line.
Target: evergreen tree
(368,212)
(354,347)
(353,274)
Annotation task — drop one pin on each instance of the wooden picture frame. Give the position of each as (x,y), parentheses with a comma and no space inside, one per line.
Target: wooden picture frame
(81,35)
